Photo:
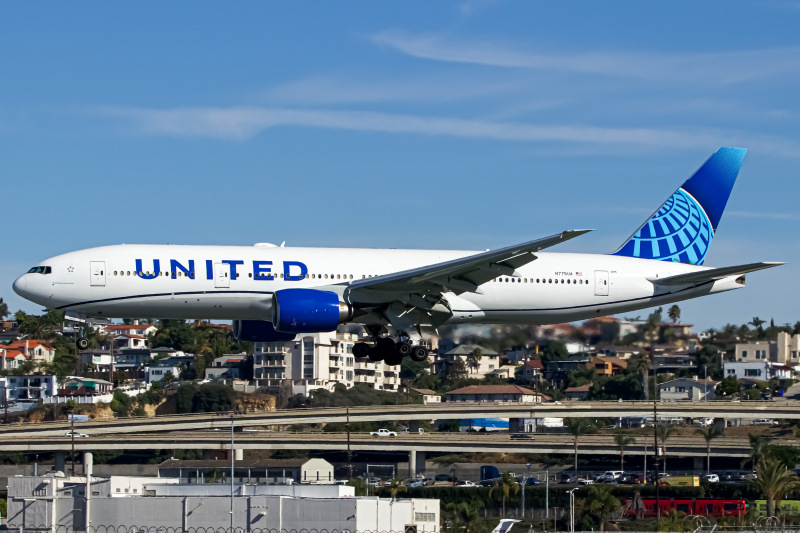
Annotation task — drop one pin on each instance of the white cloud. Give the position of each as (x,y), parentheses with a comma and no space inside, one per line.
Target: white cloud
(715,68)
(240,123)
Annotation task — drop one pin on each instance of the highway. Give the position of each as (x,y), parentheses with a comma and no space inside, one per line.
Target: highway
(780,409)
(539,443)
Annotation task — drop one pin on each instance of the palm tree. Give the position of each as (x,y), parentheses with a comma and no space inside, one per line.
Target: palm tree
(578,427)
(774,481)
(623,440)
(602,503)
(664,432)
(674,313)
(758,448)
(641,363)
(505,483)
(709,433)
(672,521)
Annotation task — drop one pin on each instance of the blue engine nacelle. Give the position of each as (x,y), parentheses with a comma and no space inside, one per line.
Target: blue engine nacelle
(308,311)
(259,331)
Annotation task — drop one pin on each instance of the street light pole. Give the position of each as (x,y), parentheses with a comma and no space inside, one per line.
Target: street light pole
(233,457)
(571,493)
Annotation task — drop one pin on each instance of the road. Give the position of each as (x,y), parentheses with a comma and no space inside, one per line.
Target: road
(431,442)
(781,409)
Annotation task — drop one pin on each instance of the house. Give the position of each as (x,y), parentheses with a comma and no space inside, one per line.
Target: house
(607,366)
(687,389)
(226,367)
(143,330)
(475,361)
(496,393)
(558,370)
(35,350)
(131,341)
(578,393)
(78,386)
(428,395)
(530,371)
(158,372)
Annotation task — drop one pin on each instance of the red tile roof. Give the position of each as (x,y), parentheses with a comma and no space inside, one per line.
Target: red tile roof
(534,363)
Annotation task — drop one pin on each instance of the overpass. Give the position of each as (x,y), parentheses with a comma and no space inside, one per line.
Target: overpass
(538,443)
(781,409)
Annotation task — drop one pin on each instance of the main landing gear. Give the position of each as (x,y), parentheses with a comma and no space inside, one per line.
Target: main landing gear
(386,349)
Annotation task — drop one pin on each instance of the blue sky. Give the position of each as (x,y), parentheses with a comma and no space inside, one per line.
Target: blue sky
(465,125)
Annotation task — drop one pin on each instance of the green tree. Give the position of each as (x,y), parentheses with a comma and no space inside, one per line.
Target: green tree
(758,325)
(674,313)
(3,315)
(672,521)
(121,404)
(623,440)
(602,504)
(709,433)
(728,387)
(774,481)
(505,484)
(578,427)
(665,432)
(758,449)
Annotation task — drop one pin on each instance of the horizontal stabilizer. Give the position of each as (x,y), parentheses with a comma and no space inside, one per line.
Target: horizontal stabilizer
(712,274)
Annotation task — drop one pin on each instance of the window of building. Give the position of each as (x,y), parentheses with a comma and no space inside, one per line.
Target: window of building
(744,353)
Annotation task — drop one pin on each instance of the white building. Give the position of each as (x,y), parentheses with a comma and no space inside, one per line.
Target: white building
(95,503)
(158,373)
(31,387)
(319,360)
(759,370)
(783,351)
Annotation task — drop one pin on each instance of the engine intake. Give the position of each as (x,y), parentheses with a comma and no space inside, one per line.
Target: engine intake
(308,311)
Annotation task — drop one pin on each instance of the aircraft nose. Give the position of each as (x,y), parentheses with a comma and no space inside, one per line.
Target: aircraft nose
(20,286)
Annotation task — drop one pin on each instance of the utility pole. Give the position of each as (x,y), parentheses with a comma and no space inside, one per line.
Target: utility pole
(349,452)
(233,457)
(72,434)
(655,443)
(547,495)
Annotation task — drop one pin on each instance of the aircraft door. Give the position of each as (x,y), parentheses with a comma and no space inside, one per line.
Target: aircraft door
(221,276)
(601,282)
(97,270)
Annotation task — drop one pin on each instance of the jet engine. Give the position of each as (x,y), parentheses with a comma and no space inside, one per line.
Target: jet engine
(259,331)
(308,311)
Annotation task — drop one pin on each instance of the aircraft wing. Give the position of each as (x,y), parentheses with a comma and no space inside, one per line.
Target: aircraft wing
(458,275)
(712,274)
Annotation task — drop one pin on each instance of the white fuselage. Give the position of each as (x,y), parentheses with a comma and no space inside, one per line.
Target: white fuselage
(237,282)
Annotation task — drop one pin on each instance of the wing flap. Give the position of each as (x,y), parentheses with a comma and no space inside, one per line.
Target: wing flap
(712,274)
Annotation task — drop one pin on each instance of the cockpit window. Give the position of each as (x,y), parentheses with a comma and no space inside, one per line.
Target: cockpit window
(40,270)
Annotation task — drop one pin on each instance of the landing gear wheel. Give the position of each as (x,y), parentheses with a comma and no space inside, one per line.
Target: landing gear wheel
(374,354)
(82,343)
(394,359)
(361,349)
(404,348)
(419,354)
(385,347)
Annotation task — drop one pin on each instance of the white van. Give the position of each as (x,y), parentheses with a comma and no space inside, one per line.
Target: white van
(612,475)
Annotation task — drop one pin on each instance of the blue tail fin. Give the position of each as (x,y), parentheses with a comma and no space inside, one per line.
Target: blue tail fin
(682,229)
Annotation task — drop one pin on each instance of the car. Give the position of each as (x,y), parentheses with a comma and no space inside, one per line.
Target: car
(383,433)
(466,483)
(373,482)
(415,483)
(630,479)
(586,481)
(765,422)
(488,482)
(70,434)
(568,478)
(532,481)
(611,475)
(418,431)
(711,478)
(521,436)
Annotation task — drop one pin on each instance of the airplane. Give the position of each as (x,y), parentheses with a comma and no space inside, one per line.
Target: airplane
(273,293)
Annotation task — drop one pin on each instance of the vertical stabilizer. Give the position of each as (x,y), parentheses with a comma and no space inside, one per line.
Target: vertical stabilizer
(682,228)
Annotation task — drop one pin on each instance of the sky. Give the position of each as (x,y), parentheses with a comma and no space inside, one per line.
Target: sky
(457,125)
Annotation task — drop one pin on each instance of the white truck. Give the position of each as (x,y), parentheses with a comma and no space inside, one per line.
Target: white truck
(383,433)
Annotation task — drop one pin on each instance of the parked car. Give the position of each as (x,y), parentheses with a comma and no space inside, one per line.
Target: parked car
(412,484)
(488,482)
(711,478)
(419,431)
(521,436)
(466,483)
(383,433)
(586,481)
(629,479)
(70,434)
(532,481)
(373,482)
(611,475)
(569,478)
